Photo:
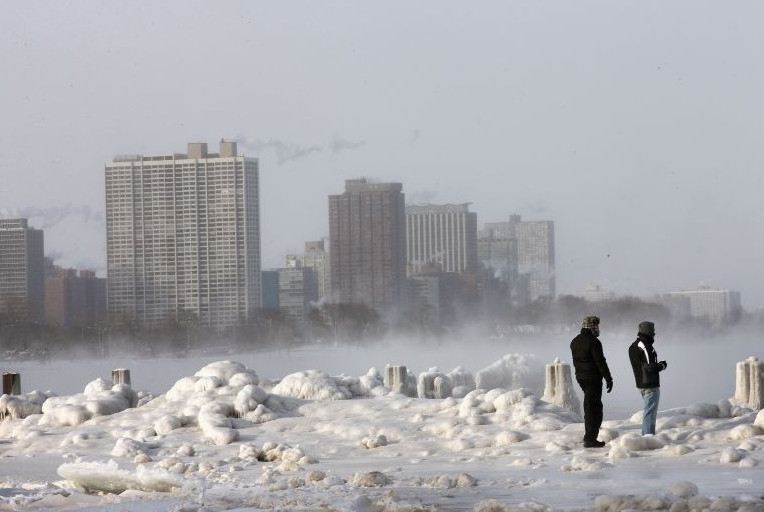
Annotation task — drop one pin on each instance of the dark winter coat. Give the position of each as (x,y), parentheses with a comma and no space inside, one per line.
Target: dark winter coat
(644,362)
(588,358)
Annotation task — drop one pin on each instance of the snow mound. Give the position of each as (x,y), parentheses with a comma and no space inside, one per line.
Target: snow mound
(311,385)
(510,372)
(108,477)
(370,479)
(226,370)
(16,407)
(637,443)
(98,399)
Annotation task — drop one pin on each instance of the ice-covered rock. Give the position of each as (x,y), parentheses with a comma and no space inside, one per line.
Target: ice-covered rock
(311,385)
(730,454)
(683,489)
(16,407)
(510,372)
(222,370)
(248,398)
(374,441)
(462,379)
(635,442)
(370,479)
(108,477)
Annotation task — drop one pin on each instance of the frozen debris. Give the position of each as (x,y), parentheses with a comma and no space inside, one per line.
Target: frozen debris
(99,398)
(311,385)
(108,477)
(510,372)
(509,437)
(126,447)
(583,464)
(374,441)
(558,387)
(743,432)
(749,383)
(370,479)
(683,489)
(730,455)
(759,421)
(637,443)
(167,424)
(464,480)
(16,407)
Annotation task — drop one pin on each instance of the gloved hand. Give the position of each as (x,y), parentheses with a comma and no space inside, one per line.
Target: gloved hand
(609,384)
(663,364)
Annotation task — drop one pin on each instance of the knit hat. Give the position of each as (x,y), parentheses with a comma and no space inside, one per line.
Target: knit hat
(647,328)
(590,322)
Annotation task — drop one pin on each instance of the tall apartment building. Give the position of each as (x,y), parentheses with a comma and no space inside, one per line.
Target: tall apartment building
(22,270)
(183,236)
(317,258)
(74,299)
(445,235)
(535,251)
(367,241)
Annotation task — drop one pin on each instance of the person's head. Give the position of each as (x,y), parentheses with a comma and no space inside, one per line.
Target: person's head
(647,329)
(591,323)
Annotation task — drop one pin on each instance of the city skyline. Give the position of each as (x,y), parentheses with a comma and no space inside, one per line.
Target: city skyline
(584,133)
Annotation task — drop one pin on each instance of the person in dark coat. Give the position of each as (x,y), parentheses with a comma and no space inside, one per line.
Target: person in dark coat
(591,368)
(647,368)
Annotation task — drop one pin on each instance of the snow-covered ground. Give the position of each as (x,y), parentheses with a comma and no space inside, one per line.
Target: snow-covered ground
(225,437)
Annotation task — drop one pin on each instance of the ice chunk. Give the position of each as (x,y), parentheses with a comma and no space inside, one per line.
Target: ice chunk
(684,489)
(370,479)
(248,398)
(635,442)
(433,384)
(511,371)
(126,447)
(167,424)
(245,378)
(108,477)
(311,385)
(222,370)
(16,407)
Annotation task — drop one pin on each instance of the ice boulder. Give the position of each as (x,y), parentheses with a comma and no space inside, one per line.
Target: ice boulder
(108,477)
(636,442)
(16,407)
(511,371)
(311,385)
(248,398)
(222,370)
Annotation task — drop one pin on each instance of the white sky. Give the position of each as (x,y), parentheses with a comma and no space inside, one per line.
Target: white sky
(635,125)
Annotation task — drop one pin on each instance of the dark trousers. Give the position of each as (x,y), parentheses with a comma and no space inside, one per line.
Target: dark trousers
(592,407)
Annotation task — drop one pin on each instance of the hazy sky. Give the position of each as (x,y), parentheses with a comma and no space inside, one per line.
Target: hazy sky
(635,125)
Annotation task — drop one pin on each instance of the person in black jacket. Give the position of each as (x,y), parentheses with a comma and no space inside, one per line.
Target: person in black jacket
(647,368)
(591,367)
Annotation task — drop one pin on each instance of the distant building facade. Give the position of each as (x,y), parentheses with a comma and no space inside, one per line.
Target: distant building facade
(270,287)
(595,293)
(367,240)
(719,307)
(535,251)
(22,270)
(74,299)
(445,235)
(317,258)
(183,236)
(298,291)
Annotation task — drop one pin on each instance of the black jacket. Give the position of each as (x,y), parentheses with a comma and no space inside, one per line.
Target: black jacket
(644,362)
(588,358)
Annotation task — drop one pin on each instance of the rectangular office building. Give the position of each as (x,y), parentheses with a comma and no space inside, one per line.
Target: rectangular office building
(22,271)
(442,237)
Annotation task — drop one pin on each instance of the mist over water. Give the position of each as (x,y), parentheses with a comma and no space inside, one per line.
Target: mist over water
(699,369)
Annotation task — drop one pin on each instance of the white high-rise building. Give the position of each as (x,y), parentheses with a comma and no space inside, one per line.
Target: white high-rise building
(441,235)
(183,236)
(717,306)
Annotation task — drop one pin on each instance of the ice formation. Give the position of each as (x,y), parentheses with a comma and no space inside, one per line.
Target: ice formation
(312,385)
(108,477)
(396,379)
(749,383)
(433,384)
(16,407)
(510,372)
(558,387)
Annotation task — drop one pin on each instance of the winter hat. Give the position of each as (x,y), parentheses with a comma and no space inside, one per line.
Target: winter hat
(590,322)
(647,328)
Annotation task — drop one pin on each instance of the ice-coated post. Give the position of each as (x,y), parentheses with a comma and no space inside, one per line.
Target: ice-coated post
(11,383)
(749,383)
(120,376)
(396,378)
(441,387)
(558,387)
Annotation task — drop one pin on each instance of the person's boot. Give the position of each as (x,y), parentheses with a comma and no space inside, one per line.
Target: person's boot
(593,444)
